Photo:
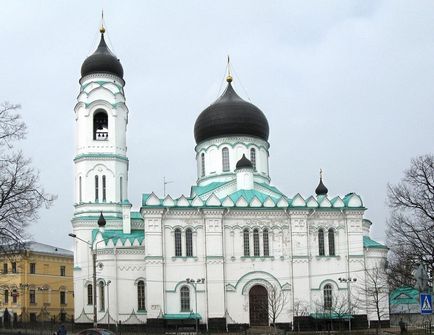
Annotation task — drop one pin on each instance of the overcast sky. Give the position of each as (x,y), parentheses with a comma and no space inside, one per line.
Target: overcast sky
(347,86)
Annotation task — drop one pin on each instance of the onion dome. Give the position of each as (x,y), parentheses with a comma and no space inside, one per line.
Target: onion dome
(321,189)
(102,61)
(244,163)
(101,220)
(231,115)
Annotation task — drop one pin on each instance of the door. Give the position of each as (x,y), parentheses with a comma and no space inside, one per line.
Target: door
(258,306)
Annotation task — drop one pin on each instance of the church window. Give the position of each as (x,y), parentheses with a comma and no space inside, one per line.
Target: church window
(141,295)
(14,296)
(32,296)
(189,242)
(178,246)
(89,294)
(331,242)
(100,126)
(202,165)
(328,299)
(120,189)
(96,188)
(6,297)
(246,241)
(321,242)
(185,299)
(104,191)
(79,190)
(101,296)
(62,297)
(266,242)
(253,158)
(225,159)
(255,242)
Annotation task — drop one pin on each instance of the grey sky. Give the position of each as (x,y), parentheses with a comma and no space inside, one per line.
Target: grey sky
(347,86)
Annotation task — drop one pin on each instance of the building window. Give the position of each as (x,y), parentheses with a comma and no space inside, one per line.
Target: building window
(32,268)
(104,193)
(189,242)
(32,296)
(14,296)
(225,159)
(79,190)
(185,299)
(328,299)
(178,245)
(6,297)
(5,268)
(62,297)
(120,189)
(101,297)
(100,126)
(63,271)
(331,242)
(255,242)
(266,242)
(321,242)
(33,317)
(96,188)
(202,165)
(253,158)
(89,294)
(141,295)
(246,240)
(14,267)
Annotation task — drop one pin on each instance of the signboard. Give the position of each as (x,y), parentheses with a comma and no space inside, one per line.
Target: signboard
(425,303)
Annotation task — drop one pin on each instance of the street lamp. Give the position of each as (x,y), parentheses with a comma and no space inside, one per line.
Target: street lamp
(194,282)
(348,280)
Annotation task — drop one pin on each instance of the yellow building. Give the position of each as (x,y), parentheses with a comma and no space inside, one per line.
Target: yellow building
(36,284)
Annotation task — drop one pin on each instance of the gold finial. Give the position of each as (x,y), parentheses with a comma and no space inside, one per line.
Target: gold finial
(320,173)
(102,29)
(229,77)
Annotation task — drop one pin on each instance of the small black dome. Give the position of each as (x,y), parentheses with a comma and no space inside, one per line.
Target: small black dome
(321,189)
(102,61)
(101,220)
(244,163)
(231,115)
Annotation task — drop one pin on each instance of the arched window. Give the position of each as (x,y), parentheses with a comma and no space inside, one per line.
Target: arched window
(141,295)
(202,165)
(255,242)
(79,190)
(96,188)
(253,158)
(104,193)
(189,242)
(100,126)
(246,241)
(120,190)
(178,246)
(266,242)
(185,299)
(89,294)
(328,296)
(321,242)
(225,159)
(101,296)
(331,242)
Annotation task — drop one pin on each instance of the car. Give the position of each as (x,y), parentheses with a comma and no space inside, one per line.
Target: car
(95,331)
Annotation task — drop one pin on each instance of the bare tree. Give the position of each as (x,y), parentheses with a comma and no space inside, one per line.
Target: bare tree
(338,308)
(300,308)
(20,192)
(411,225)
(277,300)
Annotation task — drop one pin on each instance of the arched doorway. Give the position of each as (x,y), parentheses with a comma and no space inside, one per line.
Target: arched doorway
(258,306)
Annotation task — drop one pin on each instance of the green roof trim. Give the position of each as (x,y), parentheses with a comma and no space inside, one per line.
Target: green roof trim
(100,156)
(404,295)
(200,190)
(249,195)
(271,188)
(182,316)
(334,316)
(96,217)
(370,243)
(136,216)
(117,234)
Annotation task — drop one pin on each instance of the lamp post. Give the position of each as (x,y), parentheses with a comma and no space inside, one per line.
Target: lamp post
(348,280)
(108,303)
(194,282)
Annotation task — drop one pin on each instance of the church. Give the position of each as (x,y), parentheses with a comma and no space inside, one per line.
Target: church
(234,251)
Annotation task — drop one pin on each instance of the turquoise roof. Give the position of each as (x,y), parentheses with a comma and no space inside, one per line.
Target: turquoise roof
(404,295)
(370,243)
(249,195)
(331,315)
(118,234)
(199,190)
(269,187)
(136,216)
(182,316)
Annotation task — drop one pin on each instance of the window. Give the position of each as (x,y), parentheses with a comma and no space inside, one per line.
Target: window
(6,297)
(321,242)
(33,268)
(14,267)
(63,271)
(32,317)
(253,158)
(62,297)
(328,300)
(178,246)
(141,295)
(89,294)
(120,190)
(100,126)
(331,242)
(101,297)
(225,159)
(5,268)
(255,242)
(202,165)
(32,296)
(96,189)
(189,242)
(185,299)
(14,296)
(246,241)
(103,188)
(79,189)
(266,242)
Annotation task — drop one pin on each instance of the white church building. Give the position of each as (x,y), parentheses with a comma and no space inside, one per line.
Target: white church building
(235,250)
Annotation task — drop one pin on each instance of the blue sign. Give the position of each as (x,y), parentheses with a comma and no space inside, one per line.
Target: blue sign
(425,303)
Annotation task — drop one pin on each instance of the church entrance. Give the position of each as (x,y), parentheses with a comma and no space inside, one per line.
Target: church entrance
(258,306)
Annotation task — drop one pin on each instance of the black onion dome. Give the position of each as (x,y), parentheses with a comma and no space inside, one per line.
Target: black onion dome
(231,115)
(101,220)
(102,61)
(244,163)
(321,189)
